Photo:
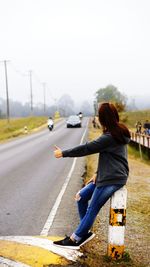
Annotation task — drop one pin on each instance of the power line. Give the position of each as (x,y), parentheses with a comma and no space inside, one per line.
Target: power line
(31,74)
(23,74)
(41,83)
(54,98)
(37,78)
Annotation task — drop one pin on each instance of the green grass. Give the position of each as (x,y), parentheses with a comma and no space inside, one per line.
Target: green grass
(130,118)
(16,126)
(137,215)
(135,153)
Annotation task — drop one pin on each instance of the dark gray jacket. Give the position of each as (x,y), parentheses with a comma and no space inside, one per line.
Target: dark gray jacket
(112,165)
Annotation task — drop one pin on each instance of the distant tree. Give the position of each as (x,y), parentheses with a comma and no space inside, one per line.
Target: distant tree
(16,108)
(66,105)
(131,106)
(2,108)
(1,114)
(112,94)
(120,106)
(86,108)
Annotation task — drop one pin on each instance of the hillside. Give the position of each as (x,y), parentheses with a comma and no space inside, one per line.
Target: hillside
(138,215)
(131,117)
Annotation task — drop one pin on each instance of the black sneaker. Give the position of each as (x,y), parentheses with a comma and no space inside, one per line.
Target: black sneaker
(86,238)
(67,243)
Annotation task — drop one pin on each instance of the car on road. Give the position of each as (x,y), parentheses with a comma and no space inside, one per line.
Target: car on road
(73,121)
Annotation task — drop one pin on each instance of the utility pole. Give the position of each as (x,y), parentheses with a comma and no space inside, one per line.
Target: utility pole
(7,94)
(31,94)
(44,95)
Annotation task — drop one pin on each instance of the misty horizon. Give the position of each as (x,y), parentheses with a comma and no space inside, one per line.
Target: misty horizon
(75,48)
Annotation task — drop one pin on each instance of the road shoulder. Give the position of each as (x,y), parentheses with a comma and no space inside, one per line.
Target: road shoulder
(67,218)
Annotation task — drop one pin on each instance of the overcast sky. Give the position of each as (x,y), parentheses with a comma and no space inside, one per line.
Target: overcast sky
(75,47)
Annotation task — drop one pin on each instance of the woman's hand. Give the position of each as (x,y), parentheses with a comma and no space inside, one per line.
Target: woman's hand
(58,152)
(93,179)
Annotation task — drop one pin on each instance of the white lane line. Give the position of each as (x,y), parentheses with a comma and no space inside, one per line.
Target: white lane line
(53,211)
(43,243)
(9,263)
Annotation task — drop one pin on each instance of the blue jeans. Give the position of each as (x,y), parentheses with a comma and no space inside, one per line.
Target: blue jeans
(88,213)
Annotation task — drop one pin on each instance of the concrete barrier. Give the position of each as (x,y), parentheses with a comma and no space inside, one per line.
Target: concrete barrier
(117,223)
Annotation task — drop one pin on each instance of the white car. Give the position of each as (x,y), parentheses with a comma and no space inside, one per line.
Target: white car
(73,121)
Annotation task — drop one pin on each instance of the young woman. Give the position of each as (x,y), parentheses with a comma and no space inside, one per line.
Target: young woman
(112,172)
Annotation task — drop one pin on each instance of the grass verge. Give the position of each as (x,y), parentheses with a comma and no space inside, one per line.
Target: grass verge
(137,238)
(16,126)
(131,117)
(135,154)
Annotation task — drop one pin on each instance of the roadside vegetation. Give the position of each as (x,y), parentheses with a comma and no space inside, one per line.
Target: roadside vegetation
(134,153)
(16,127)
(131,117)
(111,94)
(137,235)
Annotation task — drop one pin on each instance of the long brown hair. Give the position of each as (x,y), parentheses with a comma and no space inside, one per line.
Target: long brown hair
(109,119)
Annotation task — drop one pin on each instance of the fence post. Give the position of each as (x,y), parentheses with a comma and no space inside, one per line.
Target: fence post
(117,223)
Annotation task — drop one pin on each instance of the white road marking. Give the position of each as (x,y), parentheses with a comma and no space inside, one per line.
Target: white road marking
(9,263)
(53,211)
(47,244)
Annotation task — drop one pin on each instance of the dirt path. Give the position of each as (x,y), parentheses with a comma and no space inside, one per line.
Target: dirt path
(137,236)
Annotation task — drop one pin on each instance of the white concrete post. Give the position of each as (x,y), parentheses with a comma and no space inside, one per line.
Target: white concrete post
(117,223)
(25,129)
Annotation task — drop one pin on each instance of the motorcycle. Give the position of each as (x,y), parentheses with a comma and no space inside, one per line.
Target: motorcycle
(50,127)
(50,124)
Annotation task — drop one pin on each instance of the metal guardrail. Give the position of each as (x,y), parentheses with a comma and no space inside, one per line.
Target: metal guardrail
(141,139)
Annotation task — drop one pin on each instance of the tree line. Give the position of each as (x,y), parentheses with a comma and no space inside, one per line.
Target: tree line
(65,105)
(110,94)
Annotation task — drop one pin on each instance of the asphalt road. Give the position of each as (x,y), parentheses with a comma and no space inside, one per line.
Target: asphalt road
(31,178)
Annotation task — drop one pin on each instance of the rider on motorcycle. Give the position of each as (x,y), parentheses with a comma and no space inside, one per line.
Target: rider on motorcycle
(50,123)
(80,115)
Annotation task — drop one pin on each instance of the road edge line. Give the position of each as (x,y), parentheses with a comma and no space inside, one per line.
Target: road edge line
(53,211)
